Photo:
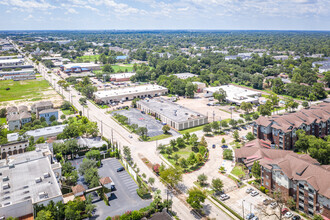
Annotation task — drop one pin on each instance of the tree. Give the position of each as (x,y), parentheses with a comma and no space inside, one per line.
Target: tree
(202,178)
(246,106)
(3,112)
(203,142)
(236,135)
(195,198)
(107,68)
(142,131)
(250,136)
(176,157)
(256,170)
(220,95)
(52,118)
(217,185)
(223,141)
(171,175)
(233,122)
(305,104)
(228,154)
(318,217)
(215,126)
(93,155)
(265,109)
(183,162)
(302,143)
(190,90)
(44,215)
(166,129)
(291,203)
(86,165)
(40,140)
(207,128)
(127,153)
(151,181)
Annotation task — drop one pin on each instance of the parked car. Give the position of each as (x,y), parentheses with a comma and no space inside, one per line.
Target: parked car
(224,146)
(249,190)
(244,127)
(249,216)
(213,146)
(120,169)
(255,218)
(285,210)
(224,197)
(288,215)
(266,202)
(273,205)
(254,193)
(296,217)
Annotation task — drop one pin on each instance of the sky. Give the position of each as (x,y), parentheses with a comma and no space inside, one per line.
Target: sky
(164,14)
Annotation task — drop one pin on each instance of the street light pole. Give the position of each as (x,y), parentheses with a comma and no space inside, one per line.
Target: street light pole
(243,207)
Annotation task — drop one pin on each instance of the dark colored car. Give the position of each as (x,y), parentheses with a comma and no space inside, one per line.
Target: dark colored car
(296,217)
(213,146)
(224,146)
(120,169)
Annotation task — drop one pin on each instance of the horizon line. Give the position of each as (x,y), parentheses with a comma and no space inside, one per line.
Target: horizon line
(300,30)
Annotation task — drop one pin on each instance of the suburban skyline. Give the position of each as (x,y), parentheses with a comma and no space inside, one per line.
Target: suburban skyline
(170,15)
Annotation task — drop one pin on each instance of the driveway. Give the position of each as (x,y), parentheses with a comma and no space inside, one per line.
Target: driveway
(124,198)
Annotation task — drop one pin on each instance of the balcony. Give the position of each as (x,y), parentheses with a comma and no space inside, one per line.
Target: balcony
(301,189)
(301,197)
(310,202)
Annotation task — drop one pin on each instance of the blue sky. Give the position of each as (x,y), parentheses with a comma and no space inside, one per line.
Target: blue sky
(164,14)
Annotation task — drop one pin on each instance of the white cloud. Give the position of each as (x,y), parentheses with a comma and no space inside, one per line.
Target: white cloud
(71,11)
(29,4)
(28,17)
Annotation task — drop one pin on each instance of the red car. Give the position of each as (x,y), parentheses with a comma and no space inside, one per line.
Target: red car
(285,210)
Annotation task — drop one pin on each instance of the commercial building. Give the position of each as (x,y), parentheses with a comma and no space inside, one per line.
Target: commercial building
(129,93)
(79,67)
(120,77)
(235,94)
(10,57)
(176,116)
(13,148)
(46,132)
(28,179)
(11,62)
(96,142)
(234,57)
(200,86)
(281,129)
(295,175)
(19,73)
(184,75)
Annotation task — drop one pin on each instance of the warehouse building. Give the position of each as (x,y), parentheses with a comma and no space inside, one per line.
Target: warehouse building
(28,179)
(129,93)
(11,62)
(176,116)
(79,67)
(235,94)
(120,77)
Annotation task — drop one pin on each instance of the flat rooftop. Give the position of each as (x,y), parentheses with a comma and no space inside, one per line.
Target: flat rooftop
(129,90)
(70,65)
(21,173)
(46,131)
(234,91)
(121,75)
(184,75)
(171,110)
(11,61)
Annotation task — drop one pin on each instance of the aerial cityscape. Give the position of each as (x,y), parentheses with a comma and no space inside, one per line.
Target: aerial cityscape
(146,109)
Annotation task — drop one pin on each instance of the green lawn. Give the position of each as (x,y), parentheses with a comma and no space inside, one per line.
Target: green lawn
(3,121)
(124,68)
(238,171)
(90,58)
(159,137)
(68,112)
(189,130)
(22,89)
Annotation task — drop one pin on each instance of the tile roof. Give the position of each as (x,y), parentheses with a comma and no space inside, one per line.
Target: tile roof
(12,109)
(78,189)
(48,111)
(13,117)
(25,115)
(105,180)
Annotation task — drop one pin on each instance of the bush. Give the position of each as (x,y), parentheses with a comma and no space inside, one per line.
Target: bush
(143,192)
(262,189)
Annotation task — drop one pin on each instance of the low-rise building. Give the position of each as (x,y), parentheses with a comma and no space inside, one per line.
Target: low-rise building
(79,67)
(129,93)
(200,86)
(47,132)
(25,117)
(17,117)
(48,114)
(14,122)
(11,62)
(120,77)
(184,75)
(281,129)
(28,179)
(13,148)
(235,94)
(37,107)
(176,116)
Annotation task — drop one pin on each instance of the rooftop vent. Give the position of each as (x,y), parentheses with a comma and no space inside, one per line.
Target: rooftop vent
(27,197)
(43,195)
(11,166)
(38,180)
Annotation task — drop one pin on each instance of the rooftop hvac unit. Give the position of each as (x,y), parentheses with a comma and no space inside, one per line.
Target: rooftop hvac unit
(11,166)
(5,178)
(38,180)
(6,186)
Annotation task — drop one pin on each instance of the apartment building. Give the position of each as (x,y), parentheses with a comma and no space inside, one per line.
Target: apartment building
(281,129)
(300,177)
(13,148)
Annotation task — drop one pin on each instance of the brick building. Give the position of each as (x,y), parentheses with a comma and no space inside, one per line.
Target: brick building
(281,129)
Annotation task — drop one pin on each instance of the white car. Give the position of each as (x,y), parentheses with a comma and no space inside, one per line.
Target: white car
(224,197)
(273,205)
(249,190)
(254,193)
(288,215)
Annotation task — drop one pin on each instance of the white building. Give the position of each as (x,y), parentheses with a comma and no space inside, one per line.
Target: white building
(176,116)
(235,94)
(184,75)
(11,62)
(13,148)
(28,179)
(119,77)
(129,93)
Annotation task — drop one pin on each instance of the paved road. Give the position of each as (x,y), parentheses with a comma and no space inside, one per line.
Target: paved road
(113,131)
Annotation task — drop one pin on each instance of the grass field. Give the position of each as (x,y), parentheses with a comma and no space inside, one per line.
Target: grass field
(159,137)
(90,58)
(22,89)
(238,171)
(3,121)
(189,130)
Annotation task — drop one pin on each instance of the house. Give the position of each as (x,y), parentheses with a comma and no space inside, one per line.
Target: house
(41,106)
(78,190)
(281,129)
(25,117)
(22,108)
(12,110)
(107,182)
(48,114)
(14,122)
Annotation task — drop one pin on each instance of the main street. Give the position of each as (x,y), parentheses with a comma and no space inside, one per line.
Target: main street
(115,132)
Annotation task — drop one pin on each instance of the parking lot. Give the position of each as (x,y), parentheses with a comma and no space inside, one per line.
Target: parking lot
(143,120)
(123,199)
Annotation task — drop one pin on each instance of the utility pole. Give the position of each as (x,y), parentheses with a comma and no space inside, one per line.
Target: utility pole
(112,134)
(243,207)
(213,116)
(101,128)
